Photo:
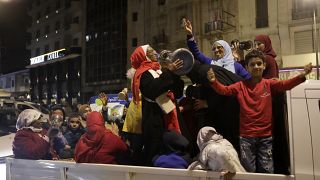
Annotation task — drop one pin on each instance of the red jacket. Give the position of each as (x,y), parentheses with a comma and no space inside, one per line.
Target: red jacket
(30,145)
(99,145)
(256,103)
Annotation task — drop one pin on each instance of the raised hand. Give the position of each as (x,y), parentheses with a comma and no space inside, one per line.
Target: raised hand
(211,76)
(187,25)
(104,98)
(307,70)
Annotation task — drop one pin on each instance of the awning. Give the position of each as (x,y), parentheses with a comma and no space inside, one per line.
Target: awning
(70,56)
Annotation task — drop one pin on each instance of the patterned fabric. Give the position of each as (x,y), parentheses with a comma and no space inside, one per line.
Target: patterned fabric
(261,161)
(216,153)
(27,117)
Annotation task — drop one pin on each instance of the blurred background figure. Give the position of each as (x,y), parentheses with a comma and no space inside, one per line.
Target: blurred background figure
(73,132)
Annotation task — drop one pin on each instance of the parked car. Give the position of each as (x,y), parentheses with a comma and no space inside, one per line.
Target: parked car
(10,110)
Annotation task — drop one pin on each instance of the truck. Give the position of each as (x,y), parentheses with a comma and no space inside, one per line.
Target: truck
(303,108)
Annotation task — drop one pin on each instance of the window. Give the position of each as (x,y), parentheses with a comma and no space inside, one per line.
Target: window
(37,2)
(67,3)
(48,10)
(38,15)
(76,20)
(58,4)
(262,13)
(38,52)
(47,30)
(57,25)
(161,2)
(134,16)
(46,48)
(303,9)
(134,42)
(75,41)
(12,83)
(37,33)
(57,45)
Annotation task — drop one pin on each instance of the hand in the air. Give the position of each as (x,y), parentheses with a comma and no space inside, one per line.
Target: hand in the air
(211,76)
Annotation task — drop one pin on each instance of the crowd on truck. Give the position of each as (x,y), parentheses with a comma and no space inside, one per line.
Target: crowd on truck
(230,119)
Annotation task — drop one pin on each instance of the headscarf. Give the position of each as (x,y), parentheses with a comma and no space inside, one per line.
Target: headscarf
(206,136)
(141,63)
(227,61)
(89,142)
(27,117)
(265,39)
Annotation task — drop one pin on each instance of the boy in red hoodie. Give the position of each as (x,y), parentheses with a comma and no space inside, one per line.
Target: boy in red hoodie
(254,97)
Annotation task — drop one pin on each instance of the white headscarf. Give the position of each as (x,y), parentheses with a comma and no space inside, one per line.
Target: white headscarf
(216,153)
(227,61)
(27,117)
(207,135)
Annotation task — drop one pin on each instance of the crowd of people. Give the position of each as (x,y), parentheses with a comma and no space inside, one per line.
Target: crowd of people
(224,122)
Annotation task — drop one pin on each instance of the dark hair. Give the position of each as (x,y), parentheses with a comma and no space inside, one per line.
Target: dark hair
(58,107)
(254,54)
(74,115)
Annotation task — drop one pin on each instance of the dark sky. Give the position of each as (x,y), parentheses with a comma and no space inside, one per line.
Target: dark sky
(14,22)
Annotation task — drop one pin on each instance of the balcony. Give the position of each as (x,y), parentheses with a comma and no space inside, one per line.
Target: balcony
(223,22)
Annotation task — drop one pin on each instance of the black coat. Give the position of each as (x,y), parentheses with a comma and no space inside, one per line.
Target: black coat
(152,115)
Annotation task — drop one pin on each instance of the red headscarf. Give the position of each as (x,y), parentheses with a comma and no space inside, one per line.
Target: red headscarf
(88,143)
(268,50)
(141,63)
(98,144)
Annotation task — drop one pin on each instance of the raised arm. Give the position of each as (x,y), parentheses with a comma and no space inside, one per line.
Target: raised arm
(220,88)
(281,86)
(192,45)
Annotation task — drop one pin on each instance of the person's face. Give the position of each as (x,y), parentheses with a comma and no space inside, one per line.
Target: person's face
(87,110)
(74,123)
(37,123)
(259,45)
(218,51)
(152,54)
(57,111)
(56,120)
(255,67)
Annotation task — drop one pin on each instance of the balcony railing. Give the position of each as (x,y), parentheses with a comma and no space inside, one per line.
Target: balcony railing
(223,21)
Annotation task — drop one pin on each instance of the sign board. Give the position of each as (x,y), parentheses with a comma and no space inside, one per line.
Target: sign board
(47,57)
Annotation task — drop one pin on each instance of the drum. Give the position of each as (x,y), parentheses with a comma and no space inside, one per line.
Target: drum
(183,54)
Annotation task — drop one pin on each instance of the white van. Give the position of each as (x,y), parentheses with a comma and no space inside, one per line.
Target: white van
(303,104)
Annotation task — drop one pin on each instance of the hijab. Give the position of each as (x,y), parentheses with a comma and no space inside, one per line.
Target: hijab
(227,61)
(265,39)
(206,136)
(141,63)
(90,141)
(27,117)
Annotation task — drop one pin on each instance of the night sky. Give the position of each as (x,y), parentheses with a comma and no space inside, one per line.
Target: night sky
(14,22)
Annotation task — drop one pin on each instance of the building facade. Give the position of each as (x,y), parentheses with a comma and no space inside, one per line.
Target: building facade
(55,63)
(17,83)
(105,62)
(289,23)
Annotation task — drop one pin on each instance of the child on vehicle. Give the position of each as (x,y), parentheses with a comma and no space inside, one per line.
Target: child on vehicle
(255,98)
